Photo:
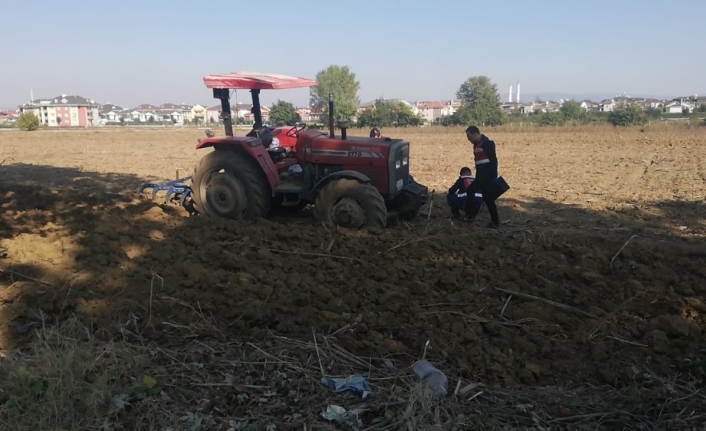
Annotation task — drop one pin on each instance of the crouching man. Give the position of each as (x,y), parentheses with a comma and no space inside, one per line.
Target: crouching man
(458,194)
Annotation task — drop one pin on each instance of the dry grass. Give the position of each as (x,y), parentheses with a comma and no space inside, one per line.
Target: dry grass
(68,377)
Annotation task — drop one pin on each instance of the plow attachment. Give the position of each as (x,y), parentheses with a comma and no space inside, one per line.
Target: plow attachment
(176,191)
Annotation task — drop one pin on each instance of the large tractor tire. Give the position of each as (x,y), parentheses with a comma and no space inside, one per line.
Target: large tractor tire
(350,204)
(229,184)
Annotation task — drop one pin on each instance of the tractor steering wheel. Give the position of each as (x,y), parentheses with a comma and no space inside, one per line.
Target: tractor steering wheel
(294,131)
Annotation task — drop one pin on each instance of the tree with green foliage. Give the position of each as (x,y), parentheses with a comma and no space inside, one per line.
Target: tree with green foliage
(654,113)
(480,102)
(571,111)
(446,120)
(341,82)
(406,117)
(385,113)
(379,114)
(629,114)
(27,121)
(283,113)
(551,118)
(594,117)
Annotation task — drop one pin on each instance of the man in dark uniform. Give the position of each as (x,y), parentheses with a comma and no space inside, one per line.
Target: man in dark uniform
(456,196)
(486,171)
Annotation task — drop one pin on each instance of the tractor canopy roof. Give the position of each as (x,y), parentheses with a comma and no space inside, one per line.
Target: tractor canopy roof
(254,80)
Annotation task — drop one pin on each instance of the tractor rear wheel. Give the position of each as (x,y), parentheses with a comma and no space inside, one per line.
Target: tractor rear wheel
(229,184)
(350,204)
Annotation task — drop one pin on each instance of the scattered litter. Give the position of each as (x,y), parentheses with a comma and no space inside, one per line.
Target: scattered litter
(388,365)
(355,383)
(343,416)
(26,327)
(469,388)
(435,380)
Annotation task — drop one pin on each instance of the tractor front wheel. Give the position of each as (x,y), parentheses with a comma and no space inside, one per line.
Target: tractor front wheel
(228,184)
(350,204)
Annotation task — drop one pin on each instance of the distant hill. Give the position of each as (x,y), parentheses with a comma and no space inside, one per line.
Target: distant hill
(595,97)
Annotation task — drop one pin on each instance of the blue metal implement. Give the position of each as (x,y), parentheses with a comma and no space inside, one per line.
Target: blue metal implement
(175,190)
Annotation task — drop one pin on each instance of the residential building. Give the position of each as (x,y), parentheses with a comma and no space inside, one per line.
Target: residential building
(250,118)
(241,111)
(176,113)
(8,117)
(452,106)
(111,114)
(197,112)
(607,105)
(213,114)
(538,106)
(367,105)
(306,114)
(694,100)
(511,107)
(588,105)
(651,103)
(678,107)
(143,113)
(65,111)
(431,111)
(527,108)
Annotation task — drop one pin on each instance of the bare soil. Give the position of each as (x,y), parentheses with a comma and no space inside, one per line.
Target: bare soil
(597,276)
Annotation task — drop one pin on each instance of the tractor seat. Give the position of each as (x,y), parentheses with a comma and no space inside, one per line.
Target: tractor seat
(264,134)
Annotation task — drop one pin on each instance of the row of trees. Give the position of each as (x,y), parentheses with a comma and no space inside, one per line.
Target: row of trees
(480,104)
(479,97)
(342,83)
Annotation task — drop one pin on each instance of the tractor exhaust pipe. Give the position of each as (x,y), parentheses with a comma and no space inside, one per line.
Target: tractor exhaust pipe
(343,125)
(331,128)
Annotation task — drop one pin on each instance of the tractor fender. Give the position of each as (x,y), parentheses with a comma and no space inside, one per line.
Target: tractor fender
(353,175)
(250,146)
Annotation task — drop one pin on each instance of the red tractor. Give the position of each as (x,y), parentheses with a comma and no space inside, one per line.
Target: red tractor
(352,182)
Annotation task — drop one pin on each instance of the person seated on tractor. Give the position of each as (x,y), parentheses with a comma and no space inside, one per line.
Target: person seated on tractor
(457,195)
(375,133)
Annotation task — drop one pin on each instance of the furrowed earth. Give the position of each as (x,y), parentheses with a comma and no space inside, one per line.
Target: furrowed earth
(597,276)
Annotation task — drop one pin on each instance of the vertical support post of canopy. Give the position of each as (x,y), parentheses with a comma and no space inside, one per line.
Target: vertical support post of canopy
(224,95)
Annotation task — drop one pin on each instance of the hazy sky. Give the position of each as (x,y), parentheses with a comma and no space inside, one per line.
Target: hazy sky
(129,52)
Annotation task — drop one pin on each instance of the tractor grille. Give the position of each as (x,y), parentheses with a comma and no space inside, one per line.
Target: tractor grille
(398,166)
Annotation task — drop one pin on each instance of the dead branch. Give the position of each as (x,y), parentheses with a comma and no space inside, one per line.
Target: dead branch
(621,249)
(548,302)
(26,277)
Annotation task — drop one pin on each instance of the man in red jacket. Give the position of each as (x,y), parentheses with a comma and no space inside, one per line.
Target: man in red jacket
(486,171)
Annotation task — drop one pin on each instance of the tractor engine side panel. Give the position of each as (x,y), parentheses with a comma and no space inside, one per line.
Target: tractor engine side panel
(386,163)
(369,161)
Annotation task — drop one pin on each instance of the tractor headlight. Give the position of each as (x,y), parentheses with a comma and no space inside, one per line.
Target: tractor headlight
(398,164)
(275,143)
(405,161)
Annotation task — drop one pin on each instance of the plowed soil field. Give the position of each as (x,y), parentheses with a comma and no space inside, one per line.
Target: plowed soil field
(597,274)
